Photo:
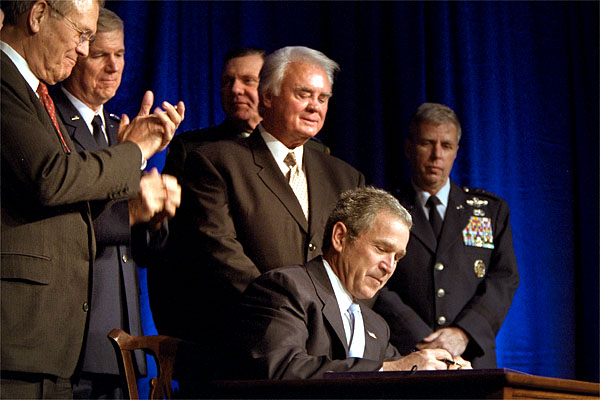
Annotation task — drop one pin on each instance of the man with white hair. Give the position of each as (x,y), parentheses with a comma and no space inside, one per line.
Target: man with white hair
(253,204)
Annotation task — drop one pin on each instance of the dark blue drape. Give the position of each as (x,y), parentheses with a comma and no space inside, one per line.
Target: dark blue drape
(522,77)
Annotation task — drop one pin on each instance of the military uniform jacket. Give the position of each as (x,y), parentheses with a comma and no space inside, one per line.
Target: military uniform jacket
(467,281)
(48,242)
(291,328)
(238,218)
(115,283)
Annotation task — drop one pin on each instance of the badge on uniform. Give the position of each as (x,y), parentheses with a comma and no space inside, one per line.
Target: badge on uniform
(479,268)
(478,232)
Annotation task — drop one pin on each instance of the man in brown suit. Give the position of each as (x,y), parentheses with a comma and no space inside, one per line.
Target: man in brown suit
(239,215)
(48,241)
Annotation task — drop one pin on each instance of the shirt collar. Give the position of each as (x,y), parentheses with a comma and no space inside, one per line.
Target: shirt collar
(86,112)
(21,65)
(279,150)
(442,194)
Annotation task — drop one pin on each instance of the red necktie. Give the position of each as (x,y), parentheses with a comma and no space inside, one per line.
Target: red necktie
(46,100)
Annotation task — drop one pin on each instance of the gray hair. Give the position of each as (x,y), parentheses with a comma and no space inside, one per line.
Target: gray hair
(358,208)
(435,114)
(13,9)
(108,21)
(276,63)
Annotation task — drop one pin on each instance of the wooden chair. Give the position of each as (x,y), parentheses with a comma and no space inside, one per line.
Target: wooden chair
(164,349)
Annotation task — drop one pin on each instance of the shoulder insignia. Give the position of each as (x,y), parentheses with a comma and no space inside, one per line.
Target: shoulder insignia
(480,192)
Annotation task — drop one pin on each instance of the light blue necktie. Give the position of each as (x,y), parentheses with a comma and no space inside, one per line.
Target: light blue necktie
(357,339)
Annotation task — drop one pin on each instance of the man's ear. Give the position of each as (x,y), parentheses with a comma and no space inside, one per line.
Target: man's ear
(266,99)
(339,235)
(36,16)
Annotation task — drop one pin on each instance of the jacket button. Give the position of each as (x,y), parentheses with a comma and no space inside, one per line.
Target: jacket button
(311,247)
(124,258)
(439,267)
(85,306)
(441,320)
(441,293)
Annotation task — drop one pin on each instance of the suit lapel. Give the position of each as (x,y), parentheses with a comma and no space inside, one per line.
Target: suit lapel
(372,341)
(331,309)
(317,195)
(112,128)
(73,121)
(273,179)
(457,217)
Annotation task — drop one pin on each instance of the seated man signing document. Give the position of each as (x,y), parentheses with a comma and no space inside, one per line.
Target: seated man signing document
(300,321)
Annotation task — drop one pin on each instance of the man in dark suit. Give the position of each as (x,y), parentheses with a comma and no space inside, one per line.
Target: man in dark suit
(47,244)
(456,284)
(239,215)
(239,100)
(300,321)
(115,285)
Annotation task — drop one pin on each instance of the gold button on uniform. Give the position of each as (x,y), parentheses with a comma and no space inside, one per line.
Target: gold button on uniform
(441,320)
(85,306)
(439,267)
(124,258)
(441,293)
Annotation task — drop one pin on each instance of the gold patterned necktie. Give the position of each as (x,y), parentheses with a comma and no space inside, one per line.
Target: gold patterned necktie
(297,181)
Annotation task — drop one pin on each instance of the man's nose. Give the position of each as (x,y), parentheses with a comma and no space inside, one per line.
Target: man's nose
(112,64)
(83,48)
(237,87)
(436,152)
(389,263)
(313,105)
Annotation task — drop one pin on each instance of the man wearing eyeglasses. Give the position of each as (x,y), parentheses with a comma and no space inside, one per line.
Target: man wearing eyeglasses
(47,235)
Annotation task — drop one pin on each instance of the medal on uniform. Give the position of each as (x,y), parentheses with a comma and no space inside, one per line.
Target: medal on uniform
(479,268)
(478,232)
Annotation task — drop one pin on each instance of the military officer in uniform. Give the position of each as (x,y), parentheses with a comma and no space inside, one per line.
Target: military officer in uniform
(455,285)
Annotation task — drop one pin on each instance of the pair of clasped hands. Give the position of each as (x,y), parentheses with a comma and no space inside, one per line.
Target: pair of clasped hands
(159,195)
(439,350)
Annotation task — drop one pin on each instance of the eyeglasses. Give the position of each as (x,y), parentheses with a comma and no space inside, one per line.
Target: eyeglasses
(84,36)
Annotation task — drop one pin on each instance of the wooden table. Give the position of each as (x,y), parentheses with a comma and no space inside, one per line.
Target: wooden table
(478,384)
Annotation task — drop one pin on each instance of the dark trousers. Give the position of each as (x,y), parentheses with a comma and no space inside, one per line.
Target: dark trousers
(25,385)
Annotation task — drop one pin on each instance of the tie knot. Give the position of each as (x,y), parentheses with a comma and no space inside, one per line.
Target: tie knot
(97,122)
(42,89)
(432,201)
(290,159)
(354,308)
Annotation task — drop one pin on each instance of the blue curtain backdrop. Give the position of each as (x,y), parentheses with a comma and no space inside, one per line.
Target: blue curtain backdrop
(522,77)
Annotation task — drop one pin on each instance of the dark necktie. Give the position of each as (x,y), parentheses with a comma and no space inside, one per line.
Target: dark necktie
(46,100)
(434,216)
(98,133)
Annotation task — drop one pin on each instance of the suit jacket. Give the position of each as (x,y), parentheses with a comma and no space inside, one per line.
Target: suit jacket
(115,284)
(238,218)
(290,327)
(48,242)
(469,286)
(186,142)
